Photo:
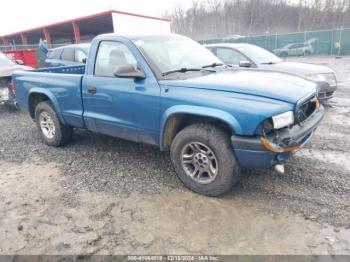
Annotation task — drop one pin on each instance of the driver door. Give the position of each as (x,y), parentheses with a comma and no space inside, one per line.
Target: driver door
(108,100)
(127,108)
(295,50)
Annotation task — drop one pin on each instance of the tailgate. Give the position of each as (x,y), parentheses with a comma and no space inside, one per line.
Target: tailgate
(62,89)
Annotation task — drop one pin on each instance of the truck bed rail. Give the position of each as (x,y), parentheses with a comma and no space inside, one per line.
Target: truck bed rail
(75,70)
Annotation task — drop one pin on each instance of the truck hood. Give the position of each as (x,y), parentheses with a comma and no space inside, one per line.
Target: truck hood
(9,69)
(279,86)
(300,69)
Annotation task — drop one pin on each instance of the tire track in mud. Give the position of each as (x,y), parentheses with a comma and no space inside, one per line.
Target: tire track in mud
(315,189)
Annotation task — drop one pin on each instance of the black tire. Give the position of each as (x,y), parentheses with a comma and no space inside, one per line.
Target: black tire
(307,53)
(62,133)
(284,54)
(219,143)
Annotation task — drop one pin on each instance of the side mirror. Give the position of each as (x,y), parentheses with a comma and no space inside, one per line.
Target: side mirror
(84,61)
(245,64)
(129,71)
(19,62)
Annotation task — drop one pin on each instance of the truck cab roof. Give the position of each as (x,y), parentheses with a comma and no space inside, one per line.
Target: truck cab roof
(82,46)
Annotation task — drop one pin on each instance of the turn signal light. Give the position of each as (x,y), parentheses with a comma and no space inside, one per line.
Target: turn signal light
(318,104)
(276,148)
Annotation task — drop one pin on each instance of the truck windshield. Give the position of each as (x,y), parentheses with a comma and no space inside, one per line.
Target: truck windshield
(175,53)
(4,60)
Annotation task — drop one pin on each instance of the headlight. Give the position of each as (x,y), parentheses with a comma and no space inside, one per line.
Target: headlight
(316,77)
(328,77)
(283,120)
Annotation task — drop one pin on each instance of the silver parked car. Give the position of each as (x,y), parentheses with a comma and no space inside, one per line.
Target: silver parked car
(295,49)
(251,56)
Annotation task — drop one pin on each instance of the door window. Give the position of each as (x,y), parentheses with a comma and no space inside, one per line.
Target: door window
(68,54)
(229,56)
(110,56)
(79,56)
(298,46)
(54,54)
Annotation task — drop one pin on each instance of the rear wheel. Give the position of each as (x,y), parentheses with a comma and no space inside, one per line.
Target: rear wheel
(52,131)
(203,159)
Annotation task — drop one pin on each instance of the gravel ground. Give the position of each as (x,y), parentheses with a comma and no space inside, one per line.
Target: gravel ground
(100,174)
(317,180)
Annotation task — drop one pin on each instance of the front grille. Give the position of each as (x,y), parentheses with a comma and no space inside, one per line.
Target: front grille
(306,109)
(325,95)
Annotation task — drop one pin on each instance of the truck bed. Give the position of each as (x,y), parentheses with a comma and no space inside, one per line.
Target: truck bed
(61,84)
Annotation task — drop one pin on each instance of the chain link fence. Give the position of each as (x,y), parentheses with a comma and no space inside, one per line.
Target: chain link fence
(326,42)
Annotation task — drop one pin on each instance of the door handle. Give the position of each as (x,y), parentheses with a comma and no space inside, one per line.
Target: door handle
(92,90)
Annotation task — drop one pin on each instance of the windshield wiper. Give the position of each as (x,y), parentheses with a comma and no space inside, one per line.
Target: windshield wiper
(213,65)
(180,70)
(268,63)
(184,70)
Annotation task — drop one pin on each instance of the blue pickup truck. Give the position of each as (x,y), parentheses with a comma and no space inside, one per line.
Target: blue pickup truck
(171,92)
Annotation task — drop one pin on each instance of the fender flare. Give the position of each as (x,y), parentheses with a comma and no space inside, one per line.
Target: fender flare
(224,116)
(52,99)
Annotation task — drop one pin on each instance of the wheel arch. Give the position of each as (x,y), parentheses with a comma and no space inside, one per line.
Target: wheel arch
(37,95)
(178,117)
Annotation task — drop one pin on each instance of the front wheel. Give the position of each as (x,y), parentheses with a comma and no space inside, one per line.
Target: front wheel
(203,159)
(52,131)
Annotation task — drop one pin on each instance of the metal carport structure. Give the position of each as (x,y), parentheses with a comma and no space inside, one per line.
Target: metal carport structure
(83,29)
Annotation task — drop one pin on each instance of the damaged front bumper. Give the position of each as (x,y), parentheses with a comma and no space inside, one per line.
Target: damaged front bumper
(265,151)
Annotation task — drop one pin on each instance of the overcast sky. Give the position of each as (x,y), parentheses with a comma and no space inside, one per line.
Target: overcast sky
(17,15)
